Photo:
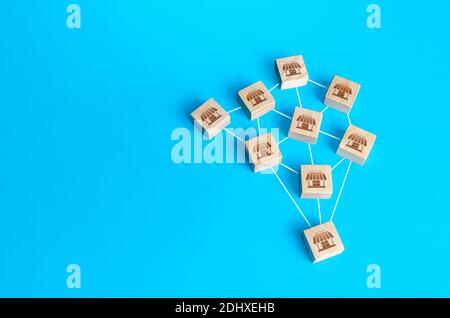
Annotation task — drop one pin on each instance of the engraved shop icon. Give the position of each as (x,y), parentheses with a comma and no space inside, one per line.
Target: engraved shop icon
(256,97)
(323,240)
(210,116)
(356,142)
(306,122)
(263,149)
(342,91)
(292,69)
(316,180)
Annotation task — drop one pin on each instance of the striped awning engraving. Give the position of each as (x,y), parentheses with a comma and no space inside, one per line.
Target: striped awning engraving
(316,176)
(263,146)
(343,88)
(306,119)
(322,236)
(291,65)
(358,139)
(254,94)
(210,111)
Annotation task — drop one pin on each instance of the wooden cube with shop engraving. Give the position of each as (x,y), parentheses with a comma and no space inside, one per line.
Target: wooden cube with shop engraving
(211,117)
(341,94)
(316,182)
(292,72)
(305,125)
(263,152)
(356,144)
(323,242)
(256,100)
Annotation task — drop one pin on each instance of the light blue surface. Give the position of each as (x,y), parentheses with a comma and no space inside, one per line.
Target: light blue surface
(86,174)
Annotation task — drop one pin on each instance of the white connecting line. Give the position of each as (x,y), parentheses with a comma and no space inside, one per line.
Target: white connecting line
(320,85)
(349,120)
(329,135)
(233,110)
(310,154)
(282,114)
(340,191)
(283,140)
(289,168)
(259,127)
(318,209)
(275,86)
(238,138)
(290,196)
(323,110)
(336,165)
(298,97)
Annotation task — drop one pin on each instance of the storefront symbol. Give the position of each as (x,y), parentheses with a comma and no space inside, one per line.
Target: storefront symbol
(256,97)
(356,142)
(210,116)
(323,240)
(342,91)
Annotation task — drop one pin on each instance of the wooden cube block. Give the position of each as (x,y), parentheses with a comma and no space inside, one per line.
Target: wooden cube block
(356,144)
(263,152)
(316,182)
(292,72)
(211,117)
(305,125)
(342,94)
(256,100)
(323,242)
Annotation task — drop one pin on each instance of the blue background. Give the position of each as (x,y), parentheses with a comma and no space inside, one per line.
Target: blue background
(86,174)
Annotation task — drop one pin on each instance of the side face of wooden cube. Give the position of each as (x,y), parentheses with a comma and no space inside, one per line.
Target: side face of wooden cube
(263,152)
(356,144)
(305,125)
(292,72)
(342,94)
(211,117)
(257,100)
(323,242)
(316,182)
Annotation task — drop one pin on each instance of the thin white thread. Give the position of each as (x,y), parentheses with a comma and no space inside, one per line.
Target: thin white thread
(318,209)
(238,138)
(283,140)
(282,114)
(289,168)
(290,196)
(336,165)
(340,191)
(315,83)
(298,97)
(329,135)
(259,128)
(275,86)
(233,110)
(323,110)
(310,154)
(349,120)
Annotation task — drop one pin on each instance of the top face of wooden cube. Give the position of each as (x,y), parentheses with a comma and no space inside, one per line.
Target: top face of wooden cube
(317,182)
(292,71)
(305,123)
(257,98)
(323,241)
(263,150)
(210,115)
(342,92)
(358,143)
